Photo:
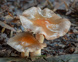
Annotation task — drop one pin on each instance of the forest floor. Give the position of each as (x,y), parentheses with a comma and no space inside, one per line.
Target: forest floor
(65,45)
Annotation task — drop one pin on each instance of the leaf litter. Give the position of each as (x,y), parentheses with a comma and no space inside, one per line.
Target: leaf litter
(9,12)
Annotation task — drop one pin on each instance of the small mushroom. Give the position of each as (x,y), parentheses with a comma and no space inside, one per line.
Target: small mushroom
(25,43)
(44,23)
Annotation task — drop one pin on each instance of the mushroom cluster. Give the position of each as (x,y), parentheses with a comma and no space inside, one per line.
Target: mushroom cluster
(44,24)
(25,43)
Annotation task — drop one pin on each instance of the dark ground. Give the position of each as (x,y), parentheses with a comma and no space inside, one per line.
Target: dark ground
(9,11)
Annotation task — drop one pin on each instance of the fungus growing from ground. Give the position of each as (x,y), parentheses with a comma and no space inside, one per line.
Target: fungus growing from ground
(25,43)
(45,24)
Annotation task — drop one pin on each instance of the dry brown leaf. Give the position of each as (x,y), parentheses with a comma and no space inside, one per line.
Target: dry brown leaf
(6,26)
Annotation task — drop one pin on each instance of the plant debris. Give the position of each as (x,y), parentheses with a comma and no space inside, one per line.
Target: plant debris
(10,25)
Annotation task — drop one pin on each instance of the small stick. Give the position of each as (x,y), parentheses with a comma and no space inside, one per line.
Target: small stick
(50,3)
(66,6)
(11,34)
(3,29)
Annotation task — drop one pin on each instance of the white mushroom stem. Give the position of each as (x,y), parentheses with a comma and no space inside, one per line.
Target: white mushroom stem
(40,38)
(24,54)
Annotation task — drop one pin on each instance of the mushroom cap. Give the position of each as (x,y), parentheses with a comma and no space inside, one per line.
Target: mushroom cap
(25,42)
(44,22)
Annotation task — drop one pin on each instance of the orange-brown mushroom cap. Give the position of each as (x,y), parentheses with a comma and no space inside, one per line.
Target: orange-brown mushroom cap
(44,22)
(25,42)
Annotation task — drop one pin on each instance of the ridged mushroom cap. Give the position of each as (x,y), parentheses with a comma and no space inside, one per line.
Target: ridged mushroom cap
(25,42)
(44,22)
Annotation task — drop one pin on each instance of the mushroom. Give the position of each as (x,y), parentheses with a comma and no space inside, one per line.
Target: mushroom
(25,43)
(44,23)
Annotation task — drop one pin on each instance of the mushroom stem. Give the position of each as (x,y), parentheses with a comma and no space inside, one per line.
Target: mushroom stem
(25,54)
(36,53)
(40,38)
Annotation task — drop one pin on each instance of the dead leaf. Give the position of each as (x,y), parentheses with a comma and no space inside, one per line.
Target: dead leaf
(6,26)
